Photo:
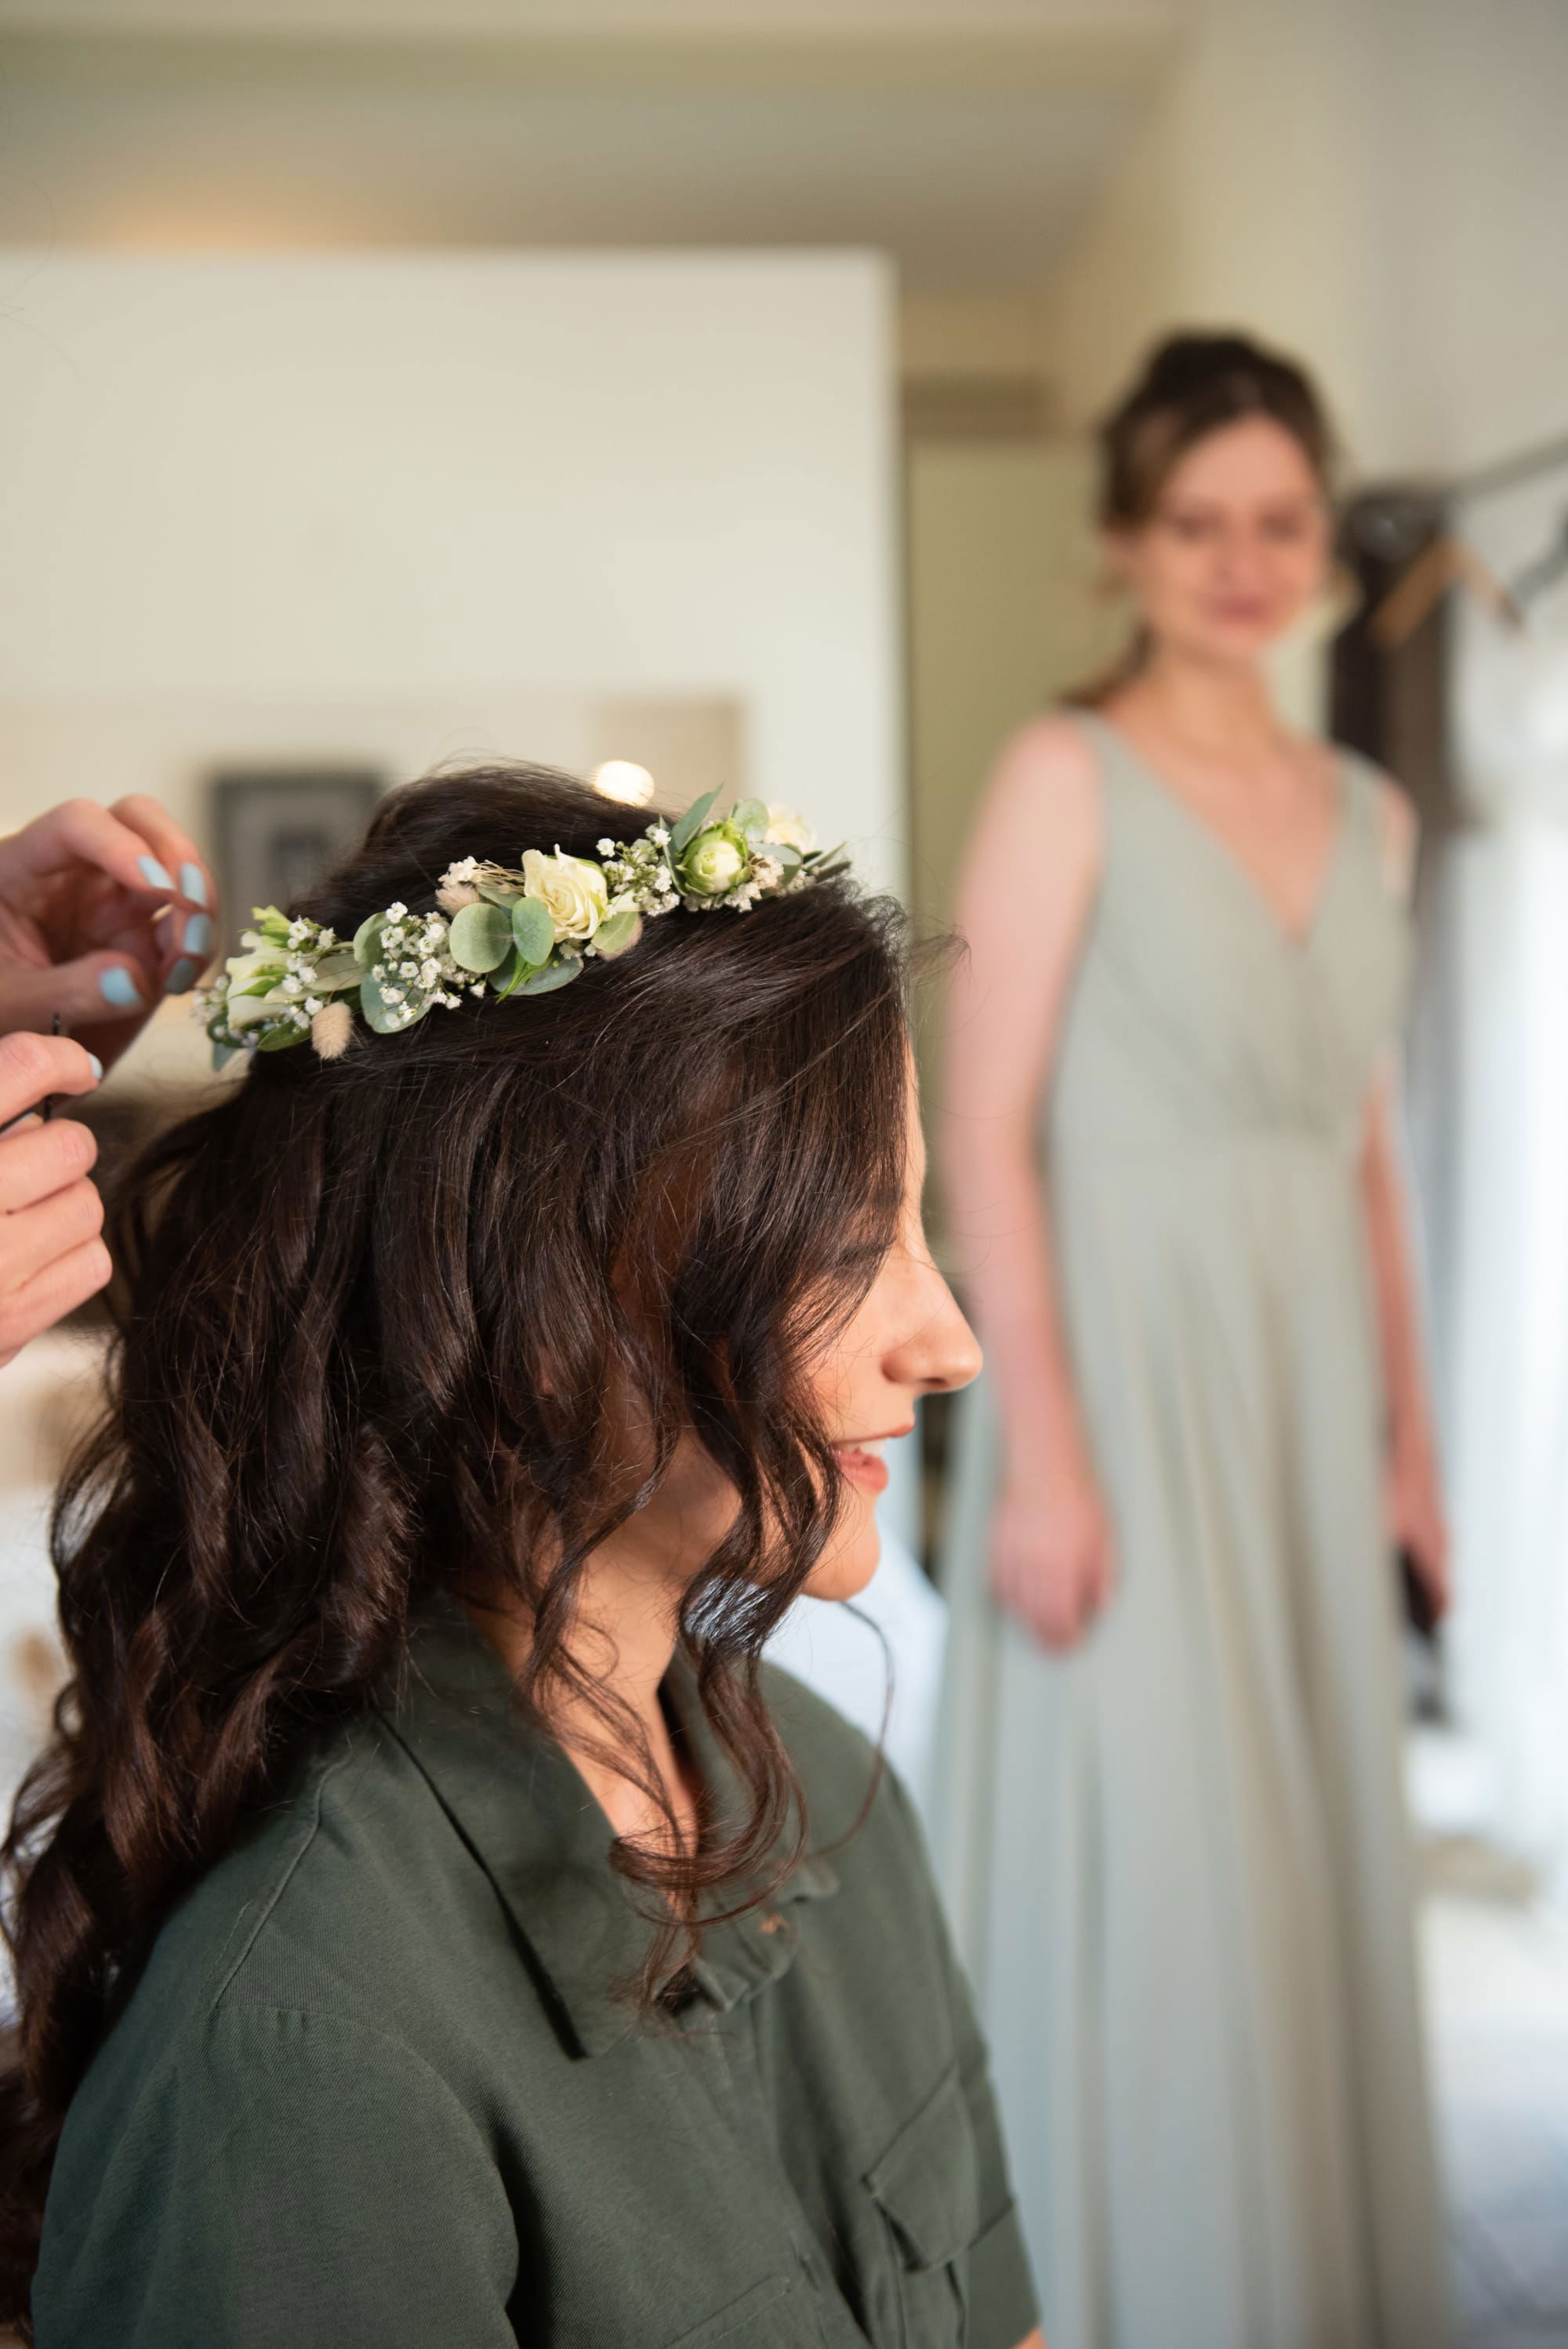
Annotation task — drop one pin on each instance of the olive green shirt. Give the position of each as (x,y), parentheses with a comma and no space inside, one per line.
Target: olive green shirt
(378,2087)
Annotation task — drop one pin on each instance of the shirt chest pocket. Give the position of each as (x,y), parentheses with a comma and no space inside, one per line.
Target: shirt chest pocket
(926,2188)
(771,2315)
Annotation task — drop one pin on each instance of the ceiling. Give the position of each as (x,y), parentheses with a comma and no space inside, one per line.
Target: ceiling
(971,156)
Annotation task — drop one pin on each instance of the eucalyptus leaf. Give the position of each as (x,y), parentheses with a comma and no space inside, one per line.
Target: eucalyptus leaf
(499,892)
(281,1039)
(366,938)
(782,853)
(386,1019)
(546,981)
(338,969)
(508,974)
(751,818)
(480,936)
(612,937)
(690,823)
(223,1053)
(533,931)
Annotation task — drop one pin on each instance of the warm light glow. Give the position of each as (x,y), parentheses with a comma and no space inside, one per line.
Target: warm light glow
(619,778)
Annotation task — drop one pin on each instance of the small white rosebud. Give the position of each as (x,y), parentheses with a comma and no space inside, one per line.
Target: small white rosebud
(787,829)
(716,861)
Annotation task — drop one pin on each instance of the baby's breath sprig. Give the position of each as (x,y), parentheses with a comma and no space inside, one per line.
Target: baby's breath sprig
(497,931)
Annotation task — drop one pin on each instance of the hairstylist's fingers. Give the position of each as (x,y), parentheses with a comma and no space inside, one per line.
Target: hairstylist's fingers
(64,1284)
(34,1242)
(33,1066)
(185,940)
(81,832)
(95,988)
(31,1237)
(171,847)
(38,1160)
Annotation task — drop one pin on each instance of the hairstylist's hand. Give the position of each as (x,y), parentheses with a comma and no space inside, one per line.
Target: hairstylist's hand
(103,911)
(51,1257)
(1053,1562)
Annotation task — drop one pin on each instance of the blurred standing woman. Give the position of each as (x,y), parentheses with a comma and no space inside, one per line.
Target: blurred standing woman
(1173,1826)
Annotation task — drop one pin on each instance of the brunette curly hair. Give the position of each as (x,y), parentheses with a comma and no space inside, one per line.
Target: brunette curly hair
(368,1312)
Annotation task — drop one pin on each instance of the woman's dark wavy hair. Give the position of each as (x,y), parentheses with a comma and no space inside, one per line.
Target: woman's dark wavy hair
(368,1312)
(1193,384)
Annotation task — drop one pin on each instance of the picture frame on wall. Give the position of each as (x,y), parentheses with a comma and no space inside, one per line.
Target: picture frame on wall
(277,830)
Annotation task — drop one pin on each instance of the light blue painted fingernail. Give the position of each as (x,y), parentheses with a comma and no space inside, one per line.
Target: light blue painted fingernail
(156,874)
(98,1065)
(193,883)
(118,988)
(198,939)
(182,976)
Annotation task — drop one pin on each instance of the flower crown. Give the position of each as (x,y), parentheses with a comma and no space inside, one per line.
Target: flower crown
(499,932)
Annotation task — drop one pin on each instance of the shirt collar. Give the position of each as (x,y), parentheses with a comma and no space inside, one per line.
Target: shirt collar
(529,1820)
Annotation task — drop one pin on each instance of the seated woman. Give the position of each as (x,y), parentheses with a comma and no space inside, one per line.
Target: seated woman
(433,1924)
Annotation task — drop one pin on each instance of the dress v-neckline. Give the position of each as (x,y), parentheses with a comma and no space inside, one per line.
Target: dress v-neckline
(1298,943)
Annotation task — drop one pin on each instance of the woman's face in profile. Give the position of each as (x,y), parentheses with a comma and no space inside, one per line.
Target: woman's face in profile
(1236,548)
(907,1337)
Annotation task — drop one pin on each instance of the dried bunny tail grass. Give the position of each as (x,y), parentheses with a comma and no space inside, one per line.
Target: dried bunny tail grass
(332,1031)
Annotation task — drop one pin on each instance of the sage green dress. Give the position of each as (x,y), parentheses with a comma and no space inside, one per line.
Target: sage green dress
(1177,1859)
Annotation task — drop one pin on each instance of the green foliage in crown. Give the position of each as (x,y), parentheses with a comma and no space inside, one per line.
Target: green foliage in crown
(497,931)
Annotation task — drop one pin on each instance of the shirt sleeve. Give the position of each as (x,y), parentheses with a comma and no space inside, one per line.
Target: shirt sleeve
(1002,2311)
(288,2178)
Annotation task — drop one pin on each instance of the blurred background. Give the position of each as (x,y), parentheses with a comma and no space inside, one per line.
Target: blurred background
(699,392)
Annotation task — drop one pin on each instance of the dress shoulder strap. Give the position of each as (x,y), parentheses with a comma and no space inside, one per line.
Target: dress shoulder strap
(1116,762)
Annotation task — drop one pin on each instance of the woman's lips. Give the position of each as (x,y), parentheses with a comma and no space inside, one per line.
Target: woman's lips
(862,1462)
(1243,612)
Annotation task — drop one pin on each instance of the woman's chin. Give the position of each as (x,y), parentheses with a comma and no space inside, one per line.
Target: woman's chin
(851,1563)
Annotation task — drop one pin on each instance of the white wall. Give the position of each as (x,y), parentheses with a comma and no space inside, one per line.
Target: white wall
(1380,184)
(455,487)
(1472,192)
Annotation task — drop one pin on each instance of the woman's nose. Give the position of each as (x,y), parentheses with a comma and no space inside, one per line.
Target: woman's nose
(939,1352)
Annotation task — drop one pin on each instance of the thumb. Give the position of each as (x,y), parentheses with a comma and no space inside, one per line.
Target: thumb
(94,989)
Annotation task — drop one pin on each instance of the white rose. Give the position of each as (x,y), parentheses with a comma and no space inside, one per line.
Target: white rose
(572,890)
(788,829)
